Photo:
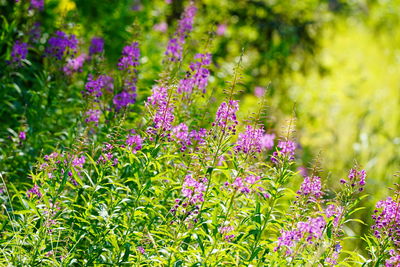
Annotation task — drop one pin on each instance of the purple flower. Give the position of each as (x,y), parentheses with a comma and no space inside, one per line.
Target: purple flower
(197,76)
(387,220)
(175,45)
(186,22)
(96,87)
(22,135)
(130,57)
(334,211)
(164,117)
(141,250)
(96,46)
(286,150)
(135,142)
(124,99)
(74,64)
(19,52)
(174,50)
(394,260)
(221,29)
(92,115)
(249,142)
(267,141)
(37,4)
(226,116)
(161,27)
(34,191)
(78,161)
(61,44)
(259,91)
(226,231)
(193,189)
(309,231)
(159,95)
(311,188)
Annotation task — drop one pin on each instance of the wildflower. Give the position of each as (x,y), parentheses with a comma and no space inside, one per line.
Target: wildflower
(161,27)
(74,64)
(221,29)
(92,115)
(308,231)
(34,191)
(226,116)
(356,179)
(175,45)
(249,142)
(394,260)
(141,250)
(159,95)
(267,141)
(259,91)
(286,150)
(311,188)
(135,142)
(387,219)
(96,46)
(22,135)
(334,211)
(193,189)
(226,231)
(60,44)
(197,76)
(174,50)
(78,161)
(124,99)
(19,52)
(96,87)
(130,57)
(37,4)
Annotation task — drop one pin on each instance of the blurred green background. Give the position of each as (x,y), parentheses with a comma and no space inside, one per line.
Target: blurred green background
(331,64)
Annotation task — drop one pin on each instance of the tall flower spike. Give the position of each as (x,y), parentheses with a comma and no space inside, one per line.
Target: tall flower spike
(19,52)
(175,45)
(61,44)
(128,63)
(226,118)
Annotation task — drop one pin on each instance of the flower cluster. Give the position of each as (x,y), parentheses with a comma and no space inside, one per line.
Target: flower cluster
(19,52)
(356,179)
(226,118)
(107,155)
(394,260)
(34,191)
(128,62)
(244,185)
(96,87)
(249,142)
(185,138)
(286,150)
(387,219)
(226,232)
(197,77)
(163,110)
(308,231)
(96,46)
(135,142)
(74,64)
(267,141)
(311,188)
(61,44)
(194,190)
(334,211)
(175,45)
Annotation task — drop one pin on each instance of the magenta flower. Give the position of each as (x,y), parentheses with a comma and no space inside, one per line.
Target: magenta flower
(198,75)
(193,189)
(96,87)
(259,91)
(267,141)
(311,188)
(135,142)
(34,191)
(22,135)
(249,142)
(221,29)
(74,64)
(226,116)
